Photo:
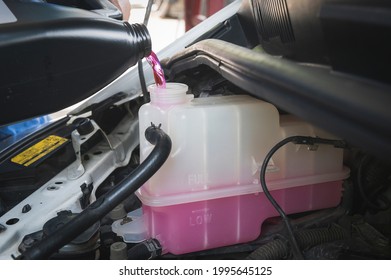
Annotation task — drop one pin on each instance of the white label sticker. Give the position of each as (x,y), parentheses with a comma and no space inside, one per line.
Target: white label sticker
(6,16)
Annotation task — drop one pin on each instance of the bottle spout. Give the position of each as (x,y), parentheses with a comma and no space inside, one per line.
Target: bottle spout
(140,38)
(172,94)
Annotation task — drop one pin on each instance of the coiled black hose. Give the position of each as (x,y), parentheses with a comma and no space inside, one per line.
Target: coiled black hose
(311,237)
(273,250)
(279,248)
(101,207)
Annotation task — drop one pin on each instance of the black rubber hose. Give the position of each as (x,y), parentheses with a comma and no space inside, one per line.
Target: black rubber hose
(107,202)
(292,238)
(279,249)
(146,250)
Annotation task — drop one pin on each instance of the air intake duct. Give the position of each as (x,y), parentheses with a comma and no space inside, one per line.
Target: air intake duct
(349,35)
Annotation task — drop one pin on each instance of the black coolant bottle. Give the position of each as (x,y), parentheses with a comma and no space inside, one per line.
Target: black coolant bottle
(53,56)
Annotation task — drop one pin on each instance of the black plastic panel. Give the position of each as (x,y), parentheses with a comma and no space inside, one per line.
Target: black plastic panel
(354,109)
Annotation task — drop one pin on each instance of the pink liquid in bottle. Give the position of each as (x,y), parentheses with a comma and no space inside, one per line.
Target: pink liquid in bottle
(158,73)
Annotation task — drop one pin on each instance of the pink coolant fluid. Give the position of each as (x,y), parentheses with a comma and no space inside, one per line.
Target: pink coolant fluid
(158,73)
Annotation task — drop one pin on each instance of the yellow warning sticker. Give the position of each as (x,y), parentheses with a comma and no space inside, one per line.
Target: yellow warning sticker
(39,150)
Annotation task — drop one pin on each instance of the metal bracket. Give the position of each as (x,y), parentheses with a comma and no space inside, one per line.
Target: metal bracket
(77,168)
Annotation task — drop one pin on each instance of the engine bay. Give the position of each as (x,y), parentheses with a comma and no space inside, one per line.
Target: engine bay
(249,154)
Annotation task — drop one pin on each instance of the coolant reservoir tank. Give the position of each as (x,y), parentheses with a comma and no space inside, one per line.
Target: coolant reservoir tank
(207,194)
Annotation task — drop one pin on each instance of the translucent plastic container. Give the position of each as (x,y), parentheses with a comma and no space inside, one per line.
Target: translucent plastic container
(207,194)
(216,142)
